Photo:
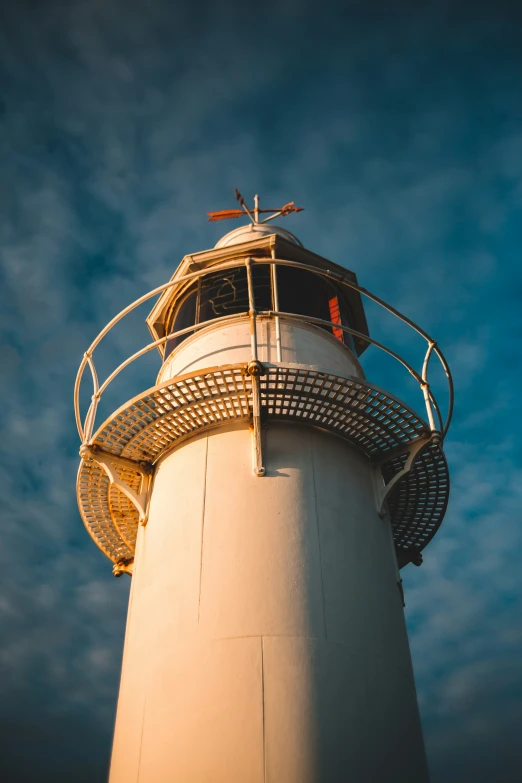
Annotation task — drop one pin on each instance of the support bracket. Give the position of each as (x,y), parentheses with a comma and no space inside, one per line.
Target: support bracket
(255,369)
(124,566)
(382,491)
(109,462)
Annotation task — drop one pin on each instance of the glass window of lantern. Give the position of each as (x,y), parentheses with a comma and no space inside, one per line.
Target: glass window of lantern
(307,293)
(185,316)
(219,294)
(262,285)
(222,293)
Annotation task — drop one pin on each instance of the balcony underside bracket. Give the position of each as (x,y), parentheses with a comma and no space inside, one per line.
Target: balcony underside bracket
(117,468)
(382,491)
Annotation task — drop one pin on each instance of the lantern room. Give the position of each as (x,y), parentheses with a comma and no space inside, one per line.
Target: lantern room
(219,297)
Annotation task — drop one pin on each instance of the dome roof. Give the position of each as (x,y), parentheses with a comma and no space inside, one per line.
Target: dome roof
(254,231)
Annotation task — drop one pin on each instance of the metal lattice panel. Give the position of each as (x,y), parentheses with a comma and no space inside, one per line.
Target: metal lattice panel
(122,510)
(93,500)
(176,410)
(367,417)
(363,414)
(418,503)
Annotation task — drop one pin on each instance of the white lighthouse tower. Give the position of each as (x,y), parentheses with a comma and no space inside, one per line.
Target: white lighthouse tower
(263,495)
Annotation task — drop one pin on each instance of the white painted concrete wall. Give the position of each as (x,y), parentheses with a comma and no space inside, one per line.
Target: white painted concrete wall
(230,343)
(266,640)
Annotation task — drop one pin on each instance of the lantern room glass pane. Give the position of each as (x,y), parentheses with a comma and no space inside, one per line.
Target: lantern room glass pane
(261,282)
(223,293)
(226,293)
(185,317)
(306,293)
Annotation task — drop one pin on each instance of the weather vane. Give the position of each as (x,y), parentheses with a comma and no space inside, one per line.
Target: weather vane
(226,214)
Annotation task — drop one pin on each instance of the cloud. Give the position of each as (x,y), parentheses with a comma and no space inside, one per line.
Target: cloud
(464,616)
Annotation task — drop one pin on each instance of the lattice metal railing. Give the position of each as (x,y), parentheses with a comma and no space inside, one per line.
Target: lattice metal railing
(437,424)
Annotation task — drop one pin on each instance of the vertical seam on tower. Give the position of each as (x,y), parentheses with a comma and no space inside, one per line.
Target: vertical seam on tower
(141,736)
(263,705)
(318,533)
(202,529)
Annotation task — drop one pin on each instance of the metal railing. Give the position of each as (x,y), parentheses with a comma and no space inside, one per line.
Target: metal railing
(437,425)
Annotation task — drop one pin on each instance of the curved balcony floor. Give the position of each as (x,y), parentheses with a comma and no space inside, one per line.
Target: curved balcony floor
(373,421)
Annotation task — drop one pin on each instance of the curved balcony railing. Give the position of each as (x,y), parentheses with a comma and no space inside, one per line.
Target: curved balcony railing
(437,424)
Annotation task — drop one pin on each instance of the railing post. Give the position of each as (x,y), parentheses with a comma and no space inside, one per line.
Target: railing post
(426,387)
(251,310)
(91,413)
(90,418)
(275,295)
(426,392)
(254,370)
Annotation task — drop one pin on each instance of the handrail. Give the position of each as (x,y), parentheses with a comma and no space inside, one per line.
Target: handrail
(86,428)
(159,342)
(311,320)
(126,310)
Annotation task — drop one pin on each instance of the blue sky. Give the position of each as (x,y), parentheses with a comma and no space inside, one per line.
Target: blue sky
(399,128)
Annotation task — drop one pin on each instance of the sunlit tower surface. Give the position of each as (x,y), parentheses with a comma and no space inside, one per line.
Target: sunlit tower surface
(264,495)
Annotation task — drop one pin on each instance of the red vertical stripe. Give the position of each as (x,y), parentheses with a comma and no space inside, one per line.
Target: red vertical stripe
(335,317)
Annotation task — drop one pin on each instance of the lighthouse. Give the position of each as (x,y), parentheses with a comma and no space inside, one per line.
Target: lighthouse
(263,495)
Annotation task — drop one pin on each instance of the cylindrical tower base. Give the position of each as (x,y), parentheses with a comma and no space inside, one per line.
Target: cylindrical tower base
(266,640)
